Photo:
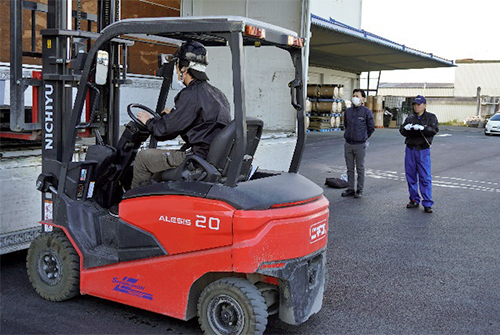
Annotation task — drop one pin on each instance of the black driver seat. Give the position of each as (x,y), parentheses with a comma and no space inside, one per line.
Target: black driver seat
(221,153)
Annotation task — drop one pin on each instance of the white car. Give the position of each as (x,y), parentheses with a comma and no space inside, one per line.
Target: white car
(493,125)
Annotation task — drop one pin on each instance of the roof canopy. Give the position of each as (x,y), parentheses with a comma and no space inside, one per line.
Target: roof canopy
(342,47)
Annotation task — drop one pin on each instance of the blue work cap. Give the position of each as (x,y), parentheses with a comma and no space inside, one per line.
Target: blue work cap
(419,100)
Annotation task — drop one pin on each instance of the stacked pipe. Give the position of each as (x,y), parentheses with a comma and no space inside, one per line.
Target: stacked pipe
(324,107)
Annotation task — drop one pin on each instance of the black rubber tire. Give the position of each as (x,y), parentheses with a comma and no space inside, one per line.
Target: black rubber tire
(54,267)
(232,306)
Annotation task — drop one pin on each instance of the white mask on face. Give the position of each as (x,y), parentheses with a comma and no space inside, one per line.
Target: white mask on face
(356,101)
(176,83)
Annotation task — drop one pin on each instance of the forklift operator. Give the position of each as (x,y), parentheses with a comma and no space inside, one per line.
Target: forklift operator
(200,112)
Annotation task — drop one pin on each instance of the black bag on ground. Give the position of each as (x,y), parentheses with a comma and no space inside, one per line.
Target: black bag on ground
(336,183)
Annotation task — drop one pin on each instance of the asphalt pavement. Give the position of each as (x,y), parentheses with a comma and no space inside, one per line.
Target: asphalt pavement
(392,270)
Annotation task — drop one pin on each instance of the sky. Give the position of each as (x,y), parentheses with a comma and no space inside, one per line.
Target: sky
(450,29)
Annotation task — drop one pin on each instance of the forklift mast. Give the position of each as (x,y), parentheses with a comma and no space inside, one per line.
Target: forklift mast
(26,123)
(63,54)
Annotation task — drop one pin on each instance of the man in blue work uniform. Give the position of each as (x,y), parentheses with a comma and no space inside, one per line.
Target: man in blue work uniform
(359,126)
(419,129)
(201,111)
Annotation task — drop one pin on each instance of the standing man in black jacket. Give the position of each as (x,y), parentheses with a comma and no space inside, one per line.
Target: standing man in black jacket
(201,111)
(419,129)
(359,126)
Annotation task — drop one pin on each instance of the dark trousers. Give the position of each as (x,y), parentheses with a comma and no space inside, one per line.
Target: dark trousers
(418,175)
(355,161)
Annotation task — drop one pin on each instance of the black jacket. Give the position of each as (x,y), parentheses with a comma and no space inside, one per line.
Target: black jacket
(359,124)
(415,138)
(201,111)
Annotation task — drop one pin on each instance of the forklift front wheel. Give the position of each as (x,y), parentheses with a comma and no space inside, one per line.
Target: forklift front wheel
(232,306)
(54,267)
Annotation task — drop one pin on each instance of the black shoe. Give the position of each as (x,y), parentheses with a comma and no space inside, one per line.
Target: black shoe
(359,194)
(348,193)
(113,210)
(412,204)
(428,209)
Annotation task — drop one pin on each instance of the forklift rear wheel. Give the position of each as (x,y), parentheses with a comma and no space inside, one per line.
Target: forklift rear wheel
(232,306)
(54,267)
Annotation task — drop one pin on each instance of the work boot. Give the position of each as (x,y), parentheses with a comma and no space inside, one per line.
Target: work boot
(113,210)
(348,193)
(359,194)
(412,204)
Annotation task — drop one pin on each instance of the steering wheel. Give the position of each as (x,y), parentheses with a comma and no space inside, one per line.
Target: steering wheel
(134,118)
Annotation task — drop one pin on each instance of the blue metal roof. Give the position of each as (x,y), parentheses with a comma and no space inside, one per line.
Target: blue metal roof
(336,45)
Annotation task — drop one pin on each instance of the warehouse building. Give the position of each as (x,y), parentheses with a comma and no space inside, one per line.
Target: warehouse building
(474,92)
(338,49)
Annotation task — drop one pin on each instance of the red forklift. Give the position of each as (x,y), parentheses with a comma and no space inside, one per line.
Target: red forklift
(215,238)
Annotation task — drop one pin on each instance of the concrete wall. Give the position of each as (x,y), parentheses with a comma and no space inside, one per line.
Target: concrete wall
(267,70)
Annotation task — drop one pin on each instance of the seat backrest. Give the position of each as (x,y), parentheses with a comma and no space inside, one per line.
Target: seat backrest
(221,151)
(219,157)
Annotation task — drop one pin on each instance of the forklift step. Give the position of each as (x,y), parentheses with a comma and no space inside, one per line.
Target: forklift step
(101,255)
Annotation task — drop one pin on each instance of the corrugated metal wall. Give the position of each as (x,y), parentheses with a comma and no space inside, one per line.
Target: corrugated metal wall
(412,92)
(471,74)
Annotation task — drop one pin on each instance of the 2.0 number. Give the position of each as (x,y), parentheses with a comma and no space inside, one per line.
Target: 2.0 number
(207,222)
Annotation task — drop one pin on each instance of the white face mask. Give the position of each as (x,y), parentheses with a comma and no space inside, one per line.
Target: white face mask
(176,83)
(356,101)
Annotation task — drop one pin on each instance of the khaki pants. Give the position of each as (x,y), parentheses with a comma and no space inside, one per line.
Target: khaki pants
(151,162)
